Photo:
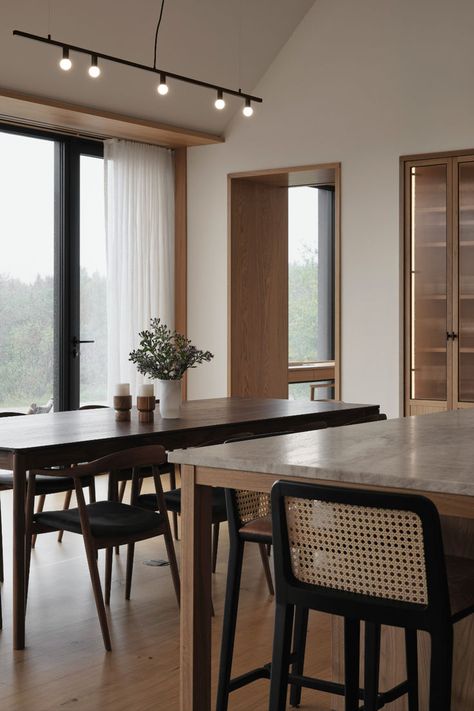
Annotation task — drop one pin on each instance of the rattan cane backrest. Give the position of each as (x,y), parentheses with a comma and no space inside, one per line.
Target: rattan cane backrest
(359,549)
(252,505)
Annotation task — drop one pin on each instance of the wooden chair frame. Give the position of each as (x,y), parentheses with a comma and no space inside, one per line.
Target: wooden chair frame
(132,458)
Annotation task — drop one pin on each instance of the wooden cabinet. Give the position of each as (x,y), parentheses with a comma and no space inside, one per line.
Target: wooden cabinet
(439,283)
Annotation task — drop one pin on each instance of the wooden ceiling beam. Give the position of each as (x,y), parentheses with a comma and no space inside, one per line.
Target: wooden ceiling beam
(54,115)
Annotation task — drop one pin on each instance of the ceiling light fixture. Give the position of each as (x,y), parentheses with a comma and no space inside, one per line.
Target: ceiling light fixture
(94,69)
(66,65)
(247,110)
(163,86)
(219,103)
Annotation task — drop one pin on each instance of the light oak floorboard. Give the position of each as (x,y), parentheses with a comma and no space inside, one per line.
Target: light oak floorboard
(65,666)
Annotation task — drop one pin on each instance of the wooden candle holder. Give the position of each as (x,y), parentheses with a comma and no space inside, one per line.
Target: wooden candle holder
(146,408)
(122,407)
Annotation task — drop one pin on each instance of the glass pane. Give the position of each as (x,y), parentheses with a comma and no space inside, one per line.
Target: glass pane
(303,391)
(93,306)
(26,271)
(310,274)
(466,282)
(428,282)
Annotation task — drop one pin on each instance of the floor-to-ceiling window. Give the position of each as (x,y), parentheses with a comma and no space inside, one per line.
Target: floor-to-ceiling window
(52,271)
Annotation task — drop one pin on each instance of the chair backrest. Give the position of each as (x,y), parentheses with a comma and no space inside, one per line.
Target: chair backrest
(244,506)
(94,407)
(152,455)
(371,555)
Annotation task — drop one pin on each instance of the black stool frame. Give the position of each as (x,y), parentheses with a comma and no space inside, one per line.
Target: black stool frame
(434,617)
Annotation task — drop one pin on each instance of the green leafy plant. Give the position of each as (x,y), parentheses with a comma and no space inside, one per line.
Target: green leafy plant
(164,354)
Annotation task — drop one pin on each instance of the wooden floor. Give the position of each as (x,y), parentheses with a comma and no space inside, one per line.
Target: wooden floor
(65,666)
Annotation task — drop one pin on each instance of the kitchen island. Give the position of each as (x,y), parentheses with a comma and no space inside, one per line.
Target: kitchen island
(431,455)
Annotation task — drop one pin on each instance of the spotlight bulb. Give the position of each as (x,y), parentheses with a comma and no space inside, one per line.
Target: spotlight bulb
(162,86)
(219,103)
(94,69)
(247,110)
(65,63)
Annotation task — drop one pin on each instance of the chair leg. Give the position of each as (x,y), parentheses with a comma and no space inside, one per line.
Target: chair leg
(175,515)
(108,573)
(299,647)
(281,657)
(29,508)
(351,664)
(173,562)
(215,545)
(266,567)
(39,509)
(234,572)
(2,573)
(97,589)
(371,666)
(441,671)
(128,579)
(411,652)
(66,505)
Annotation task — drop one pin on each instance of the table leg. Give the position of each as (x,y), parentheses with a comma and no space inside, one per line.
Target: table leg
(195,594)
(19,487)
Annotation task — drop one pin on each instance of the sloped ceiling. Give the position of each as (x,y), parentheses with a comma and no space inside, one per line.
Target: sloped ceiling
(227,42)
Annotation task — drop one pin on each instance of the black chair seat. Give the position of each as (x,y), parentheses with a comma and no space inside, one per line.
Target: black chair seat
(108,519)
(173,503)
(44,484)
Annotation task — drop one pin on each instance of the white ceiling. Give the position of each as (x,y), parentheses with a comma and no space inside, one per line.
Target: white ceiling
(198,38)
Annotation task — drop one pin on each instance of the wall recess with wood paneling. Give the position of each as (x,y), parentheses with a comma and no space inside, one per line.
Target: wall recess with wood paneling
(258,281)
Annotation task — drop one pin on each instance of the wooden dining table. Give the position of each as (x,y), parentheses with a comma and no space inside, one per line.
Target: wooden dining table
(431,455)
(65,438)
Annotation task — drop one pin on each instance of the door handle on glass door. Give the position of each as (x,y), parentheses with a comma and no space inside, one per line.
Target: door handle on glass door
(75,343)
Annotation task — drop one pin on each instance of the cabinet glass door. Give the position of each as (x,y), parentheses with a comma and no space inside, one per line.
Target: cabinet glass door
(428,287)
(466,282)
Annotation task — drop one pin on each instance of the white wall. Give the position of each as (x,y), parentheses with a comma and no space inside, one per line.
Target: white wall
(361,82)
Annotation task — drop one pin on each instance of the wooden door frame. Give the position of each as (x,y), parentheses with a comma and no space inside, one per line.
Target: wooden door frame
(252,174)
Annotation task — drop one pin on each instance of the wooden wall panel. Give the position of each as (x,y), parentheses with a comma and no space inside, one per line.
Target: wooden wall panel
(258,284)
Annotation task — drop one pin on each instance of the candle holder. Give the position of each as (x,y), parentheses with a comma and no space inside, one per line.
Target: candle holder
(146,408)
(122,407)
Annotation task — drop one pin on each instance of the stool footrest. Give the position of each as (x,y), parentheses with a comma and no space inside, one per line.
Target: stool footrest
(309,682)
(249,677)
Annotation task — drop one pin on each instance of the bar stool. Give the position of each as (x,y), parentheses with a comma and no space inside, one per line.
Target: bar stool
(367,556)
(249,520)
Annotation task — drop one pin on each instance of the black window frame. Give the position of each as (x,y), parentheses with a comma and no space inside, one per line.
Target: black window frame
(68,152)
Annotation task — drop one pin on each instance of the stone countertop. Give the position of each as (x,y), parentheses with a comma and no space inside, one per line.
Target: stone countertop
(426,453)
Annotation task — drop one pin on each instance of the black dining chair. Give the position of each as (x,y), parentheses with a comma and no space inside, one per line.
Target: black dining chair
(367,556)
(45,484)
(106,524)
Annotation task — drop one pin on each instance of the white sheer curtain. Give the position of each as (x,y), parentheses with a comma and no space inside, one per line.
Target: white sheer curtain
(139,192)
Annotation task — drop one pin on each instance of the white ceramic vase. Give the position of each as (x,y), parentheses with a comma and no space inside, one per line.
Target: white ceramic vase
(170,399)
